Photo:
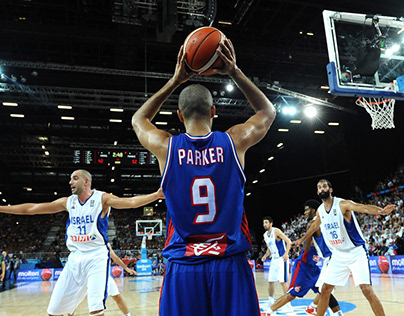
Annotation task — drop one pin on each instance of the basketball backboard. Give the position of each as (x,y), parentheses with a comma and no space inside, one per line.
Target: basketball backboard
(366,54)
(144,227)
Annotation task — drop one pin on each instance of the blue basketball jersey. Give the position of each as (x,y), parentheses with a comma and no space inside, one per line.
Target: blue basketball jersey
(203,183)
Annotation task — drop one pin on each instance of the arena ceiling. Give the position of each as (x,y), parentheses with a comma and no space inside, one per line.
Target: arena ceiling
(94,55)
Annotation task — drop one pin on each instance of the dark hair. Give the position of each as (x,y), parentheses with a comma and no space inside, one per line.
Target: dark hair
(269,218)
(313,204)
(195,101)
(326,181)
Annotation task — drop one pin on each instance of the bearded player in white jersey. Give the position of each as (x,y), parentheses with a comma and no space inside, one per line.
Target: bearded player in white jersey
(343,236)
(87,270)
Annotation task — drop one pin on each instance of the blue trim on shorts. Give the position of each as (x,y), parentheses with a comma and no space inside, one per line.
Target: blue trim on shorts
(285,271)
(104,301)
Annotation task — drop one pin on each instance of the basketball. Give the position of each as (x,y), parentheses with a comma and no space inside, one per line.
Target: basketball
(46,274)
(200,48)
(383,264)
(116,271)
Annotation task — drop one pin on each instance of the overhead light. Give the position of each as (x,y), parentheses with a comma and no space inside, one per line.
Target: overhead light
(65,107)
(29,189)
(325,87)
(262,170)
(67,118)
(4,200)
(310,111)
(248,194)
(279,145)
(165,113)
(395,48)
(115,120)
(333,123)
(22,18)
(283,130)
(400,31)
(215,116)
(271,158)
(161,123)
(156,205)
(1,193)
(10,104)
(224,22)
(117,162)
(160,201)
(17,115)
(289,110)
(310,33)
(255,181)
(230,87)
(115,143)
(301,32)
(43,147)
(113,168)
(295,121)
(112,180)
(55,193)
(46,153)
(319,132)
(116,110)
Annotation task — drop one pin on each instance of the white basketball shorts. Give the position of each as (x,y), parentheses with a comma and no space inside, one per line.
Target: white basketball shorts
(85,273)
(342,265)
(279,270)
(112,287)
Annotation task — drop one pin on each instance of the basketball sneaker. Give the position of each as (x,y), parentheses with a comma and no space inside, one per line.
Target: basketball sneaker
(311,310)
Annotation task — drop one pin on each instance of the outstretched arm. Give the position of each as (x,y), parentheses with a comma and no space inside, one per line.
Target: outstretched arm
(312,229)
(56,206)
(3,270)
(110,200)
(119,262)
(348,205)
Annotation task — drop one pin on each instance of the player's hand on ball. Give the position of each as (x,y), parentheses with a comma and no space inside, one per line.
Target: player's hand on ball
(182,73)
(228,55)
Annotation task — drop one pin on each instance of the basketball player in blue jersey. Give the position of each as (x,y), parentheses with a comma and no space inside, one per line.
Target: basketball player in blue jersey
(344,238)
(203,181)
(278,246)
(87,270)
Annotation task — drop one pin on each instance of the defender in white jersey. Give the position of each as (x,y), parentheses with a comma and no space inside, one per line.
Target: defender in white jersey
(278,246)
(343,236)
(87,270)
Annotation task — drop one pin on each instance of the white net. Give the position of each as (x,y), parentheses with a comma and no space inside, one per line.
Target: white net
(381,111)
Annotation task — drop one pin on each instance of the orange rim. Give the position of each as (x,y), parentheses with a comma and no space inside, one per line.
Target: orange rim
(373,103)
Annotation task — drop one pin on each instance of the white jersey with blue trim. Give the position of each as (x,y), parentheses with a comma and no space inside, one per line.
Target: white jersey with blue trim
(339,235)
(85,229)
(277,247)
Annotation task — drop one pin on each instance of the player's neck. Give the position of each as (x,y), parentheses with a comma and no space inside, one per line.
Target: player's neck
(328,202)
(83,196)
(198,128)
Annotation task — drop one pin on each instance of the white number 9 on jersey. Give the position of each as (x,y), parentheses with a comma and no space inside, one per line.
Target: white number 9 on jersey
(203,192)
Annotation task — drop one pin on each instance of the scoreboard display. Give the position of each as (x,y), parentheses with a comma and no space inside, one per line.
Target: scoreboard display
(100,157)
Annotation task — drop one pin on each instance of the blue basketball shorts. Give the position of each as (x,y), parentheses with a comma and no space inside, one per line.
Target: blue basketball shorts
(217,287)
(304,278)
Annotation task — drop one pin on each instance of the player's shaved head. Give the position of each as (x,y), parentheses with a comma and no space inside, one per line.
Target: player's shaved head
(86,175)
(195,101)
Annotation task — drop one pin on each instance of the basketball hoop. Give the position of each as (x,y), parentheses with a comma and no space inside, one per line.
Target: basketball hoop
(381,111)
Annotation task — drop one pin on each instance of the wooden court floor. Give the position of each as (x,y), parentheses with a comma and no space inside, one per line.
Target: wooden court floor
(142,296)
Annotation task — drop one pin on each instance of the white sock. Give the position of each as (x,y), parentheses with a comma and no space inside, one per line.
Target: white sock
(313,305)
(128,314)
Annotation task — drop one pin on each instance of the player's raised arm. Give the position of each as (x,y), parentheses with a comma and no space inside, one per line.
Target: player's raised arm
(56,206)
(255,128)
(148,134)
(111,200)
(348,205)
(310,231)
